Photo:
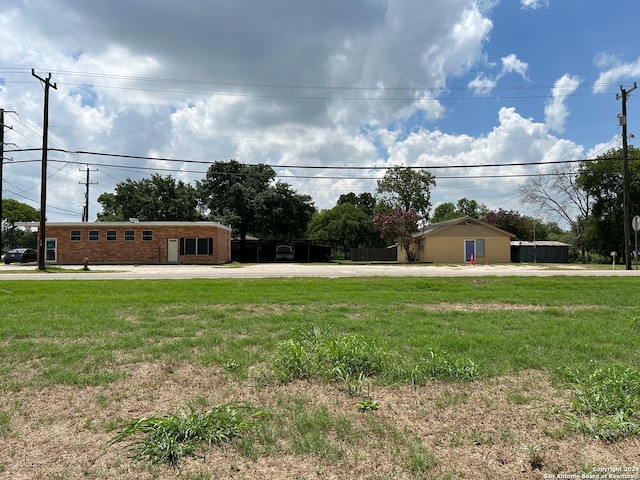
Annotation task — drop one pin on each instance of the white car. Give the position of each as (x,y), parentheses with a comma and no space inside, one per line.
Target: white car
(284,252)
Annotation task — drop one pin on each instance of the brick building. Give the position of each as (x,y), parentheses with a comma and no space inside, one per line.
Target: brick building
(137,242)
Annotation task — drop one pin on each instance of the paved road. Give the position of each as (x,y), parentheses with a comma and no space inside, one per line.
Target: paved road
(290,270)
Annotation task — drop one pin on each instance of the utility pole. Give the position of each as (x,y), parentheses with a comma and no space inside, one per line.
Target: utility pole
(624,95)
(2,127)
(43,177)
(85,210)
(1,166)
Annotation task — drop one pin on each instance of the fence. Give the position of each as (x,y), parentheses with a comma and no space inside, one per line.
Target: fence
(374,254)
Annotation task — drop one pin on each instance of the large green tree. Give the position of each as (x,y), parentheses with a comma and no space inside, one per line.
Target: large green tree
(602,180)
(365,201)
(152,199)
(14,211)
(248,198)
(522,227)
(407,189)
(464,207)
(284,214)
(347,225)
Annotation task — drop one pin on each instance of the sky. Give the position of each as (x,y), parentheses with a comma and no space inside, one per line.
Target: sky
(484,94)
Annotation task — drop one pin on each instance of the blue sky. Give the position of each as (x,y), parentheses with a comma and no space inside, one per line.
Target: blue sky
(296,84)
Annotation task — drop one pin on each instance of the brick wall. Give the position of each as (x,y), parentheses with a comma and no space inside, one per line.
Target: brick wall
(153,251)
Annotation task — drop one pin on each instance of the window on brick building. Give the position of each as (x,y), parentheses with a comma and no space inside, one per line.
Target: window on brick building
(196,246)
(147,235)
(112,235)
(129,235)
(76,235)
(94,235)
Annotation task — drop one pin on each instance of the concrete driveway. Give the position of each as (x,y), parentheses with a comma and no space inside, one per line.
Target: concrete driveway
(291,270)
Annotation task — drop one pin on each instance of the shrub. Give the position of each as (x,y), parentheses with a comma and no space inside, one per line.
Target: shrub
(169,438)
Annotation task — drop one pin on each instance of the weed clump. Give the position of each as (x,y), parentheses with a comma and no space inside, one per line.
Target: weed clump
(353,360)
(606,402)
(170,438)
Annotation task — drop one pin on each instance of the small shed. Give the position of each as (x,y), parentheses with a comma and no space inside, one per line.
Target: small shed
(539,251)
(459,240)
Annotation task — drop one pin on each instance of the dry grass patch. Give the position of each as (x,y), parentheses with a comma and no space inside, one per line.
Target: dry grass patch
(496,307)
(485,429)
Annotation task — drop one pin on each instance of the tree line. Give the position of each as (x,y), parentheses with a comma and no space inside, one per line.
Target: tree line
(587,197)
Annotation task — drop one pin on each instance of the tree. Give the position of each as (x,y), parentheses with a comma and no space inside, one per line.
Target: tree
(521,226)
(471,208)
(407,189)
(465,207)
(398,225)
(559,195)
(364,201)
(602,181)
(247,198)
(14,211)
(445,211)
(347,224)
(284,214)
(155,199)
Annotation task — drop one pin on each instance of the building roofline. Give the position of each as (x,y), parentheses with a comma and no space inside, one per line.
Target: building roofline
(125,224)
(467,220)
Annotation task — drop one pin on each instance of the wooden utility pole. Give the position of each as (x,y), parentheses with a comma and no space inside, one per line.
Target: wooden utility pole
(624,95)
(2,127)
(85,210)
(43,177)
(1,166)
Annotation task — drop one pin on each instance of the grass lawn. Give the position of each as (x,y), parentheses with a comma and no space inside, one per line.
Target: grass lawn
(80,359)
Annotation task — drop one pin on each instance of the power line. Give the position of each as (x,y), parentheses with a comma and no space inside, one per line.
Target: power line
(312,167)
(295,86)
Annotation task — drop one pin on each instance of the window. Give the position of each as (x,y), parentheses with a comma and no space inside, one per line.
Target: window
(76,235)
(129,235)
(480,247)
(147,235)
(196,246)
(94,235)
(112,235)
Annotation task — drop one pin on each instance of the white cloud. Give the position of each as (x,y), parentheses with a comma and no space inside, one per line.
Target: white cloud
(511,64)
(514,140)
(483,85)
(305,83)
(556,111)
(616,72)
(534,4)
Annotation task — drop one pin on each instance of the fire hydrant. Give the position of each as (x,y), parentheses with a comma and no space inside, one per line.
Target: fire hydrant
(85,263)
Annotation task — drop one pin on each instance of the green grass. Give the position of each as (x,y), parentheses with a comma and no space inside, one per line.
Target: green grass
(605,403)
(170,438)
(356,333)
(81,332)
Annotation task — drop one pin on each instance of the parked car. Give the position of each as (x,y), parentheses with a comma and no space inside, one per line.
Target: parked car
(284,252)
(22,255)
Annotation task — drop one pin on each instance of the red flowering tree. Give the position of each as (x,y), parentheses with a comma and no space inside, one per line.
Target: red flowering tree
(398,225)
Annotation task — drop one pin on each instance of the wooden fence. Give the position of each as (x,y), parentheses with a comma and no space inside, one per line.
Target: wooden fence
(374,254)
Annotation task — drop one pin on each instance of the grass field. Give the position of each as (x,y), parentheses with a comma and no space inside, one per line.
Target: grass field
(327,378)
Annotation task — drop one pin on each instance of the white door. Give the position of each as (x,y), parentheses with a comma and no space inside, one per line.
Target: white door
(172,250)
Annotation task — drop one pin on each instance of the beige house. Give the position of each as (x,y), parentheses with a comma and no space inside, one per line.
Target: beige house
(458,240)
